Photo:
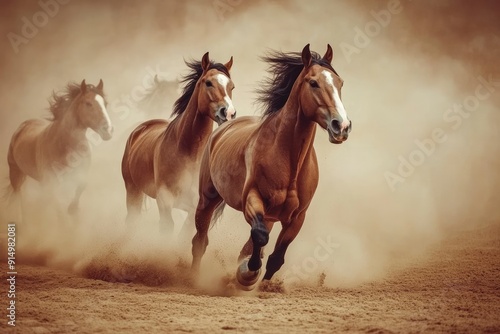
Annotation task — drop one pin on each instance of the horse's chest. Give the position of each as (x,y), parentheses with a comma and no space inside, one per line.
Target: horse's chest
(281,203)
(279,192)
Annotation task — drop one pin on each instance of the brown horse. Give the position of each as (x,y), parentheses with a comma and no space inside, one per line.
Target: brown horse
(266,167)
(58,149)
(161,159)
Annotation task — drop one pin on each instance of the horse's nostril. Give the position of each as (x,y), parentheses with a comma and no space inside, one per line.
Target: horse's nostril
(223,112)
(336,126)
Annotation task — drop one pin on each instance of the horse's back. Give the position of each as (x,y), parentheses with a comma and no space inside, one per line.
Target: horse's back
(235,132)
(147,132)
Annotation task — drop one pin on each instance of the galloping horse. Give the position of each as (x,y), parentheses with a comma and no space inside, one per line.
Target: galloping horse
(267,167)
(161,159)
(58,150)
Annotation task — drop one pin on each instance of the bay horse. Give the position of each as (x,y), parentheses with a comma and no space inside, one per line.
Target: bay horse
(266,167)
(57,149)
(161,158)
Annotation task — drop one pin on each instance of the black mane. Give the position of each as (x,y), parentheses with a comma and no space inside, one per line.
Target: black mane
(285,68)
(59,102)
(190,81)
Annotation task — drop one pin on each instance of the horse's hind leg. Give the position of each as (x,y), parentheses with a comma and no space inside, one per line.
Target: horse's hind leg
(165,202)
(135,199)
(16,175)
(16,178)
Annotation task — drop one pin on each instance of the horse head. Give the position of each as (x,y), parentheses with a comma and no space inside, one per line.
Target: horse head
(92,111)
(215,90)
(320,95)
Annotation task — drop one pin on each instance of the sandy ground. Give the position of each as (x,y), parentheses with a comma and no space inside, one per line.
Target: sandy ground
(455,287)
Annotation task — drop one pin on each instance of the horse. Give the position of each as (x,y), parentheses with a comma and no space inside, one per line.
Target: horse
(161,158)
(266,166)
(159,97)
(57,149)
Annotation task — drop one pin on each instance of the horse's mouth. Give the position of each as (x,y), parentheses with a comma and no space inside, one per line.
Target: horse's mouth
(220,120)
(105,135)
(334,139)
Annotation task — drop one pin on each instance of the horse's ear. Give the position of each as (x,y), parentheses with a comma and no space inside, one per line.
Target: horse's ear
(205,62)
(100,86)
(306,56)
(329,54)
(83,86)
(229,64)
(156,79)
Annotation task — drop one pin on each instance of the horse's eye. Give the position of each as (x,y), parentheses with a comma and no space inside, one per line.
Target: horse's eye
(208,83)
(314,84)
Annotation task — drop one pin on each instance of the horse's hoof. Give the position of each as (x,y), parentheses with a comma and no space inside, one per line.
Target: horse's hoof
(246,277)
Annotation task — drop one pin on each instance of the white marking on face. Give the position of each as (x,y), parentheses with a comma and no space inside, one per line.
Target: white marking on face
(223,81)
(100,101)
(336,98)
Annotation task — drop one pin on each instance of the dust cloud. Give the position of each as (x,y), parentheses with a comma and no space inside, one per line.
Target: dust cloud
(422,160)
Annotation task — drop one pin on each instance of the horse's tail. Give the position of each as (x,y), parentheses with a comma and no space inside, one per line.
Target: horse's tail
(10,196)
(8,193)
(217,215)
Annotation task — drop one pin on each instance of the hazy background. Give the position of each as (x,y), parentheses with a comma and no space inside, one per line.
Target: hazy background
(399,83)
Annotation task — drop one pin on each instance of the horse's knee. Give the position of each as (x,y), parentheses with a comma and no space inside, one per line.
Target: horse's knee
(260,235)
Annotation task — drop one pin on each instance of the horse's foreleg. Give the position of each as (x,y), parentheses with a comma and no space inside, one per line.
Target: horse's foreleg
(287,234)
(206,205)
(254,215)
(247,249)
(248,271)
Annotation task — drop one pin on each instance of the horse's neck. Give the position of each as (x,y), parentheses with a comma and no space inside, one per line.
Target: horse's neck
(192,128)
(294,136)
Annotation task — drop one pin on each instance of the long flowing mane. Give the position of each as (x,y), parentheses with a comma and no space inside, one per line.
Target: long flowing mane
(189,81)
(286,68)
(60,102)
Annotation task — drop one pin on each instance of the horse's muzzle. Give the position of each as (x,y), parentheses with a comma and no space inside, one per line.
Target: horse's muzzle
(338,131)
(106,133)
(222,114)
